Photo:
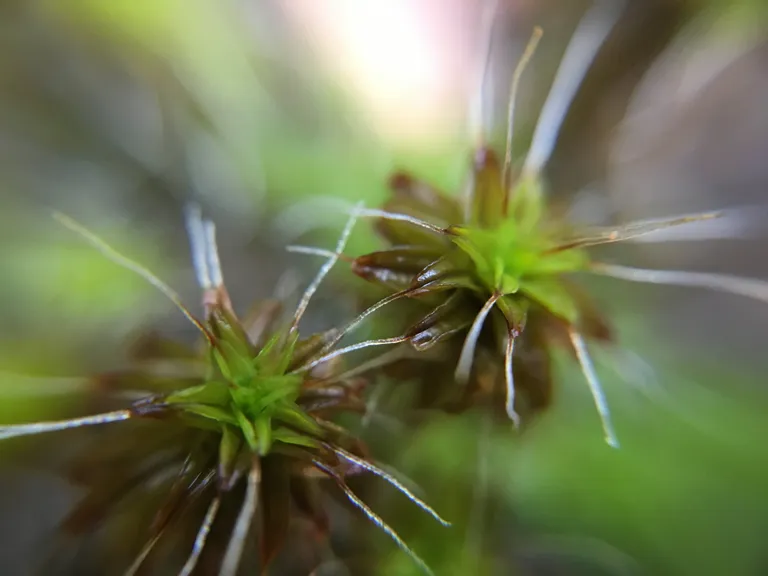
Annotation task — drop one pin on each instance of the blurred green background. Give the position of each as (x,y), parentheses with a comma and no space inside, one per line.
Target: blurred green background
(275,115)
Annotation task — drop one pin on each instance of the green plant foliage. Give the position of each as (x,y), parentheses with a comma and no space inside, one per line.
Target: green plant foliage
(215,458)
(501,252)
(253,406)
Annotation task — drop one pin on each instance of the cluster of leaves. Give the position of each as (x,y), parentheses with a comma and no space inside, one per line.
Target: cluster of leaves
(238,436)
(251,407)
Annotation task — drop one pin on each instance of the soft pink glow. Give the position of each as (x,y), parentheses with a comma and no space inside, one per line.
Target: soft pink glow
(406,60)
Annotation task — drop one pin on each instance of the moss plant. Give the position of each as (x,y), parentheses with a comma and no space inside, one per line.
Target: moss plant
(238,434)
(251,410)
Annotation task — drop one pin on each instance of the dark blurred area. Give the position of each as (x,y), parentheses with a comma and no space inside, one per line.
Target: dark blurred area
(274,115)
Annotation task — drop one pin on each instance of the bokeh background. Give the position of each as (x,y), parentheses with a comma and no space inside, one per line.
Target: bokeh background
(275,115)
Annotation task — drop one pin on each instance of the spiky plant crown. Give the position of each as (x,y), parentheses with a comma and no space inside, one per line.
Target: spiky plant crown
(237,438)
(500,252)
(253,410)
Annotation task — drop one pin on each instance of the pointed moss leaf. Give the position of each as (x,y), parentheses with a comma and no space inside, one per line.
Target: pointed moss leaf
(221,362)
(239,366)
(562,262)
(275,357)
(452,282)
(504,257)
(263,393)
(488,193)
(514,310)
(295,417)
(553,296)
(395,267)
(505,283)
(211,393)
(227,329)
(526,204)
(229,448)
(440,268)
(490,259)
(200,422)
(264,434)
(443,321)
(425,338)
(478,257)
(286,354)
(248,430)
(210,412)
(307,349)
(438,209)
(412,195)
(284,388)
(268,347)
(288,436)
(441,312)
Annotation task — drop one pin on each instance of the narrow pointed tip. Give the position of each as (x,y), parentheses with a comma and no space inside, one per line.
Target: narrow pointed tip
(333,258)
(466,357)
(609,432)
(589,37)
(392,479)
(34,428)
(588,369)
(514,417)
(461,376)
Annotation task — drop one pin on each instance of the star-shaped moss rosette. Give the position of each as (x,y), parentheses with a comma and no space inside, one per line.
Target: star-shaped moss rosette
(507,259)
(501,251)
(250,411)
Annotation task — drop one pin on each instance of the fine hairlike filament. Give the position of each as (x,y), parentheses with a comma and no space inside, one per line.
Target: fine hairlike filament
(632,230)
(392,480)
(371,515)
(509,379)
(179,486)
(588,369)
(351,348)
(214,264)
(307,215)
(384,215)
(16,430)
(313,251)
(133,569)
(738,223)
(354,324)
(410,483)
(133,266)
(530,49)
(464,366)
(585,43)
(201,537)
(477,107)
(243,524)
(312,288)
(748,287)
(193,219)
(205,256)
(387,357)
